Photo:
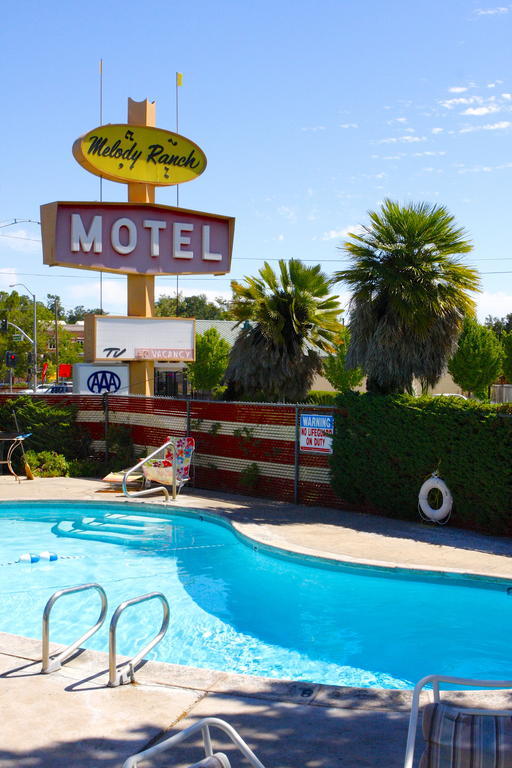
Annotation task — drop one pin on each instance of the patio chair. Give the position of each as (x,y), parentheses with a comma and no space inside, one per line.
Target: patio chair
(458,736)
(161,470)
(210,759)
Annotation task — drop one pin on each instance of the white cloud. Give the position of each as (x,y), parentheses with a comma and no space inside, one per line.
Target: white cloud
(430,153)
(314,128)
(506,96)
(336,234)
(483,168)
(478,111)
(21,240)
(501,126)
(402,140)
(280,238)
(7,278)
(491,11)
(495,304)
(450,103)
(349,125)
(437,130)
(457,89)
(287,212)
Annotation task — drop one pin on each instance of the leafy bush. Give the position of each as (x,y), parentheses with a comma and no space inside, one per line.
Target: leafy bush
(52,425)
(47,464)
(249,476)
(87,468)
(384,447)
(317,397)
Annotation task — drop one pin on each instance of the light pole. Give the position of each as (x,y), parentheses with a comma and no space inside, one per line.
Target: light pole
(34,333)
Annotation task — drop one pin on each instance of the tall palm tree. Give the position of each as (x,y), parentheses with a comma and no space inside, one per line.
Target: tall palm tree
(410,294)
(286,319)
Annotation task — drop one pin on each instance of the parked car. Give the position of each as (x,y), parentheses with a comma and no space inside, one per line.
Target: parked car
(40,390)
(63,388)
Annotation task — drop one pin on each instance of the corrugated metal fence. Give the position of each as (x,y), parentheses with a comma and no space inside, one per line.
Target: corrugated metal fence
(248,448)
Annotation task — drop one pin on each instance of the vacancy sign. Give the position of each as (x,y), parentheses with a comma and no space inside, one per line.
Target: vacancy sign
(121,339)
(316,431)
(136,238)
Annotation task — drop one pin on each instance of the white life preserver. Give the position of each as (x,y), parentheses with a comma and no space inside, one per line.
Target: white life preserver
(436,515)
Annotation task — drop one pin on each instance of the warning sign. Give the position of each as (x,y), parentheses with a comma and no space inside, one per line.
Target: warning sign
(316,433)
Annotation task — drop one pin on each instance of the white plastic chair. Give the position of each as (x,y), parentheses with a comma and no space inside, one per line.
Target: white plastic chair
(457,736)
(211,759)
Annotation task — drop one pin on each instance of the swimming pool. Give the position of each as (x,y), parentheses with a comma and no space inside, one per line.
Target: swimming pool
(238,608)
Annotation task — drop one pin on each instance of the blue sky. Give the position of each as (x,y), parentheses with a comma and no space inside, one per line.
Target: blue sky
(310,114)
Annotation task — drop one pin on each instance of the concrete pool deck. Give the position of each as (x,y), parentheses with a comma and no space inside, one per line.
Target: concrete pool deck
(70,718)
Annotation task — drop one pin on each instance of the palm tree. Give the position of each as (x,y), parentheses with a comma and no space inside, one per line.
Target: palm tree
(286,319)
(410,294)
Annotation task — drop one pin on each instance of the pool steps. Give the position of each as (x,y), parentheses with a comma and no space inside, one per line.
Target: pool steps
(117,676)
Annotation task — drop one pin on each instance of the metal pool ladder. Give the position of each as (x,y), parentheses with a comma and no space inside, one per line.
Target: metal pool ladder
(126,673)
(116,676)
(51,665)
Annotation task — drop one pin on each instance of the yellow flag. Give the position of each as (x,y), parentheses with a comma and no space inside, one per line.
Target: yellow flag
(179,78)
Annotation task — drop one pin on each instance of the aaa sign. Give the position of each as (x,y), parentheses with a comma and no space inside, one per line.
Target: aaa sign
(139,154)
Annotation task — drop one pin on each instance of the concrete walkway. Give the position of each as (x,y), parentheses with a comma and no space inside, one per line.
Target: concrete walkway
(70,718)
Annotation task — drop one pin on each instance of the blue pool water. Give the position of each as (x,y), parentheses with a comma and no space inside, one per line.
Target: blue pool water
(237,608)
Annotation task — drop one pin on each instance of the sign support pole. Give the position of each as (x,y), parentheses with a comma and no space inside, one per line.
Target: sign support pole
(141,288)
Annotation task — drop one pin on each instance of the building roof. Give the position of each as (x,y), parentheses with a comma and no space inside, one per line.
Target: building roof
(227,329)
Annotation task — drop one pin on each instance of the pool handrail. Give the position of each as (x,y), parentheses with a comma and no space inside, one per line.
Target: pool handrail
(53,664)
(126,673)
(203,726)
(158,489)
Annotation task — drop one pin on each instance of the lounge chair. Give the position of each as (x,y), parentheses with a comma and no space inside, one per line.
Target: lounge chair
(457,736)
(167,465)
(210,759)
(161,470)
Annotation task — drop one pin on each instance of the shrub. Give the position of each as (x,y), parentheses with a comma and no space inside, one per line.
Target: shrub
(317,397)
(47,464)
(87,468)
(52,425)
(384,447)
(249,476)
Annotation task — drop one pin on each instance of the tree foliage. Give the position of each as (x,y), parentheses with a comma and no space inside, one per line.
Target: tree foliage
(410,294)
(500,325)
(79,312)
(193,306)
(212,354)
(476,363)
(287,319)
(506,341)
(335,369)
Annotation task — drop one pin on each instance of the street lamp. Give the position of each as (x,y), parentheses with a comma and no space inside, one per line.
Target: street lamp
(34,332)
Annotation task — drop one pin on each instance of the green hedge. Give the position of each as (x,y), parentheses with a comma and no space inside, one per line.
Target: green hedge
(53,426)
(385,447)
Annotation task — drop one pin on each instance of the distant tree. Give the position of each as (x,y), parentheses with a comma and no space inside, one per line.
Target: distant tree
(335,370)
(53,299)
(212,354)
(19,309)
(506,341)
(193,306)
(476,363)
(79,312)
(410,294)
(286,319)
(499,325)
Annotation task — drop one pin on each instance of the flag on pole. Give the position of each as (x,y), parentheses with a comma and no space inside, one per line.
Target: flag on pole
(179,78)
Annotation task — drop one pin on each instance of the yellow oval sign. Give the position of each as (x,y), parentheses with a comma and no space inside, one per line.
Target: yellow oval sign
(139,153)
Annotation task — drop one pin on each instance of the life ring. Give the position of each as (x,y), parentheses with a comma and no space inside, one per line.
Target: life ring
(436,515)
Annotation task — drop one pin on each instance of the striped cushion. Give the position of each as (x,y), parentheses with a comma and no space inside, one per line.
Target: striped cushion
(458,739)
